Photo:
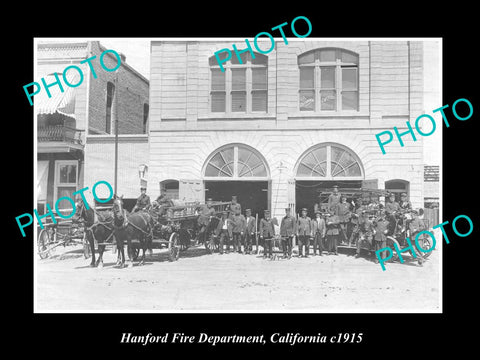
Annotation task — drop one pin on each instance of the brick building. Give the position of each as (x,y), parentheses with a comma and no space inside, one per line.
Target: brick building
(282,127)
(75,127)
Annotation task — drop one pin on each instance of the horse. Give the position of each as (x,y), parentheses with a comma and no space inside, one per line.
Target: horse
(138,225)
(98,227)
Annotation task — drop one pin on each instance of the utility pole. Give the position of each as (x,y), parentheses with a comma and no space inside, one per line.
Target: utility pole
(115,94)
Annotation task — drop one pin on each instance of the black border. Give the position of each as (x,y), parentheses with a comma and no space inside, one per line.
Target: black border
(384,334)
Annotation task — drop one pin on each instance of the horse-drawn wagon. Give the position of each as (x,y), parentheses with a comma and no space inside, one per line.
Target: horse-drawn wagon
(63,233)
(366,209)
(180,225)
(173,225)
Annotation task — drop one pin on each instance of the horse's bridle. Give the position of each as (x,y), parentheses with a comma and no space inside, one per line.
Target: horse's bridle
(123,215)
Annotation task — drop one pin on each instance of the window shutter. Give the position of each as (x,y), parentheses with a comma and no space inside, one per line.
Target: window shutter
(259,100)
(239,103)
(259,78)
(218,80)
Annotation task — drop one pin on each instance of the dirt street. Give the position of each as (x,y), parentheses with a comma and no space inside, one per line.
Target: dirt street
(235,282)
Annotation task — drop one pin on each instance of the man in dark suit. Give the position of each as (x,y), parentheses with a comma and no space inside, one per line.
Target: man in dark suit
(224,230)
(391,206)
(333,224)
(366,232)
(319,231)
(267,233)
(342,210)
(381,226)
(143,201)
(239,225)
(304,233)
(234,206)
(333,199)
(287,232)
(206,212)
(416,225)
(249,232)
(404,203)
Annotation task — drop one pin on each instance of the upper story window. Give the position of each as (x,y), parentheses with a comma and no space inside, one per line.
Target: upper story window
(328,80)
(108,116)
(241,88)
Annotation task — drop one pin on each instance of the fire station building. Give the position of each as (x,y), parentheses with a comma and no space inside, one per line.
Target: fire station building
(278,129)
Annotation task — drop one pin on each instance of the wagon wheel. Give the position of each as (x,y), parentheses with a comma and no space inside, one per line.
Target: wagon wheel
(390,241)
(210,244)
(43,243)
(424,243)
(173,247)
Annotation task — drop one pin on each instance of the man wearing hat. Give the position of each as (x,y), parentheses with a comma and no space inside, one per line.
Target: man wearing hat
(234,206)
(319,231)
(287,231)
(416,225)
(239,225)
(391,206)
(366,231)
(342,210)
(381,225)
(143,201)
(162,198)
(224,230)
(333,199)
(333,223)
(205,214)
(304,233)
(358,217)
(267,232)
(249,232)
(404,203)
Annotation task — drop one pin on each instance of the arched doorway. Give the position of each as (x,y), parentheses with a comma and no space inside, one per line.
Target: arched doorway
(321,167)
(238,169)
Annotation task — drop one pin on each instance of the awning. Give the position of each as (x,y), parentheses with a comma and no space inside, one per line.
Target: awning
(42,180)
(61,102)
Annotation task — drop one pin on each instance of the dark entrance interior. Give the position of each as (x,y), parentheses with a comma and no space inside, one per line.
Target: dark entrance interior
(250,194)
(307,193)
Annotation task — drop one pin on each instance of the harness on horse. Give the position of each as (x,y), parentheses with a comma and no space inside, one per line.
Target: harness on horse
(126,223)
(96,223)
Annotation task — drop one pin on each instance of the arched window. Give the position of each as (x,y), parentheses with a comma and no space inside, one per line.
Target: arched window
(242,87)
(328,80)
(236,161)
(328,161)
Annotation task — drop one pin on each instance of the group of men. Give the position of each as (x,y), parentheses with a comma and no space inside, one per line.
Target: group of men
(143,201)
(239,230)
(326,230)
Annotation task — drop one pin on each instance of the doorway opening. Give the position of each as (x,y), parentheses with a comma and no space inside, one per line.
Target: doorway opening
(252,195)
(311,192)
